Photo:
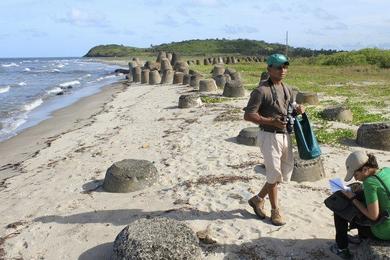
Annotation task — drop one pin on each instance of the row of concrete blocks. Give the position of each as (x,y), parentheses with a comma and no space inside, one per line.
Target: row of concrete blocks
(225,60)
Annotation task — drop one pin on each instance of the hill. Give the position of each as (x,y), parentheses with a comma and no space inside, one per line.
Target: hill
(206,47)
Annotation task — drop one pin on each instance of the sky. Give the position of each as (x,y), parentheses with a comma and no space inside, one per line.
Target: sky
(50,28)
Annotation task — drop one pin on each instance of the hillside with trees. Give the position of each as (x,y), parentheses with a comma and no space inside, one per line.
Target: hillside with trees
(206,47)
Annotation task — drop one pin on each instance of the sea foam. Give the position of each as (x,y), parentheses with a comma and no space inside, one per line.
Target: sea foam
(32,105)
(70,83)
(4,89)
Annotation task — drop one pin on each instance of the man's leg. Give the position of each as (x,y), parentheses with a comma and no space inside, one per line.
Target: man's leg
(273,194)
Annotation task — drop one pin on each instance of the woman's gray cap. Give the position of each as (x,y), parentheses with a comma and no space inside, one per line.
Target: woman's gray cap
(354,162)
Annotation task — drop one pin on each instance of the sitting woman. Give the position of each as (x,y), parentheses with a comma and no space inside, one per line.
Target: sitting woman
(364,167)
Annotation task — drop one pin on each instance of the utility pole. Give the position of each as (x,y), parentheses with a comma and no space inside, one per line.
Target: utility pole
(286,43)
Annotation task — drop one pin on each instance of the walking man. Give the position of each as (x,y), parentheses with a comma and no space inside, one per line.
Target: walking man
(270,106)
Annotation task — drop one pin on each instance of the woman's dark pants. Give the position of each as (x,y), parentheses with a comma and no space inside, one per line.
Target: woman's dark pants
(342,231)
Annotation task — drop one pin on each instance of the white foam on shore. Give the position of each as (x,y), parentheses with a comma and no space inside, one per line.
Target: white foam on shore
(4,89)
(32,105)
(70,83)
(10,65)
(23,83)
(106,77)
(54,90)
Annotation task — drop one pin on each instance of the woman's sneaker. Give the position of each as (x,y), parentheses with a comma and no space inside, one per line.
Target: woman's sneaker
(342,253)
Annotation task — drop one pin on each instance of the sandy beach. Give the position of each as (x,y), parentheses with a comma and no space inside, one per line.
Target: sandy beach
(53,207)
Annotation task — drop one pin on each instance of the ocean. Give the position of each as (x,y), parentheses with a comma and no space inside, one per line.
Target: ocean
(32,88)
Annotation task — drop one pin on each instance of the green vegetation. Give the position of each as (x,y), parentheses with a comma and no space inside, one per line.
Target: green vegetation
(205,48)
(208,99)
(380,58)
(327,135)
(115,50)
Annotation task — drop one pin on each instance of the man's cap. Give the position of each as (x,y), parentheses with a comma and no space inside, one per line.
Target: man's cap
(354,162)
(276,60)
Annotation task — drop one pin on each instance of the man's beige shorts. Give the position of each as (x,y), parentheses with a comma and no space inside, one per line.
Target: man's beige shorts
(278,157)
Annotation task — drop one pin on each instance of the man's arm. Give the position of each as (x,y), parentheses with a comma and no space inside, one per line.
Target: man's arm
(258,119)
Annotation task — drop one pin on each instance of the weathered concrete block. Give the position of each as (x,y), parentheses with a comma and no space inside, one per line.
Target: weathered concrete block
(157,238)
(145,76)
(186,79)
(137,74)
(161,55)
(167,77)
(154,77)
(374,135)
(307,170)
(337,113)
(248,136)
(165,65)
(207,85)
(221,80)
(178,78)
(129,175)
(181,66)
(310,98)
(189,100)
(233,88)
(151,65)
(218,69)
(194,82)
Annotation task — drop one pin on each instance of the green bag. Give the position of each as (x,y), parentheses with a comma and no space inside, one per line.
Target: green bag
(308,147)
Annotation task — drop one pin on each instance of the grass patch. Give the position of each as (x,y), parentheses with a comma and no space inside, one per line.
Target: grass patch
(325,135)
(210,100)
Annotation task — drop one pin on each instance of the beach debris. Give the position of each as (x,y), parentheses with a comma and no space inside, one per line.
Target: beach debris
(204,236)
(189,100)
(130,175)
(307,170)
(234,114)
(234,87)
(181,201)
(374,135)
(178,77)
(248,136)
(207,85)
(337,113)
(144,146)
(213,180)
(156,238)
(244,165)
(310,98)
(16,224)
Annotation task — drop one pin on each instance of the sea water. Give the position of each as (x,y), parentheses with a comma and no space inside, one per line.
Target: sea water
(32,88)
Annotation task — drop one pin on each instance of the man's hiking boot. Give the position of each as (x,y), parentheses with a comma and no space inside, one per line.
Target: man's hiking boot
(276,218)
(257,204)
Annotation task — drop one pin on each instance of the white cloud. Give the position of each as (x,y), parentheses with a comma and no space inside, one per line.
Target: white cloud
(83,18)
(237,29)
